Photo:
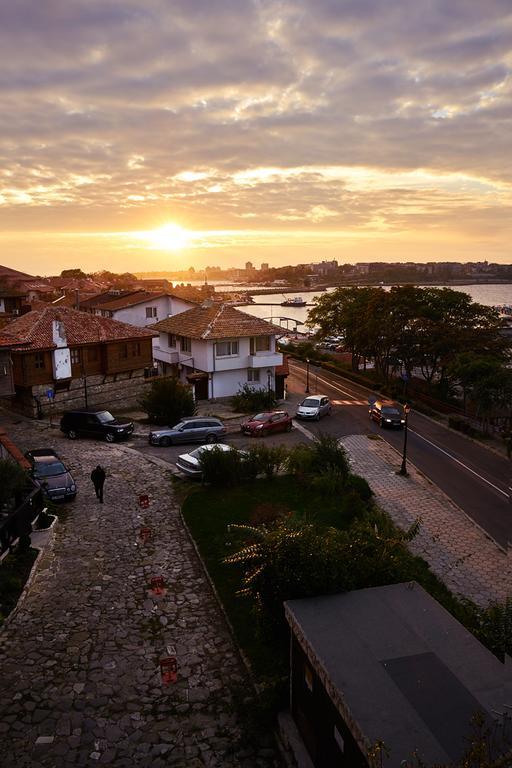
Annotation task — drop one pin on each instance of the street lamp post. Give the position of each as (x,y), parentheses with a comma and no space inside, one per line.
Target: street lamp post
(307,375)
(403,468)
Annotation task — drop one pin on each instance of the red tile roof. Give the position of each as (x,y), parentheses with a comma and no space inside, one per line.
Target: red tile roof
(216,323)
(103,301)
(35,329)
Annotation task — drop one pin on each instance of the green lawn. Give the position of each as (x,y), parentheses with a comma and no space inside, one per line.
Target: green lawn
(210,511)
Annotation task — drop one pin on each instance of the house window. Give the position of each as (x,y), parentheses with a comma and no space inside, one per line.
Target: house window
(150,312)
(260,344)
(92,354)
(226,349)
(76,357)
(253,374)
(39,360)
(123,351)
(136,349)
(185,344)
(171,340)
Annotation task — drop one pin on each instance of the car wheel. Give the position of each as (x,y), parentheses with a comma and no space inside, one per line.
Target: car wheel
(110,437)
(72,434)
(166,442)
(381,423)
(211,438)
(289,427)
(317,418)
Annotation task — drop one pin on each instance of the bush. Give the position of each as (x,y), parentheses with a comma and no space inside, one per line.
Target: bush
(14,484)
(496,628)
(329,455)
(300,461)
(249,400)
(223,468)
(360,486)
(267,459)
(168,401)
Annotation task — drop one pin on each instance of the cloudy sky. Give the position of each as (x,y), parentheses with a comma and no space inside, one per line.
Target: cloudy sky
(266,130)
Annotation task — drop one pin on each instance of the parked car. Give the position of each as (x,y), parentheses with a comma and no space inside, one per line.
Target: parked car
(314,407)
(194,429)
(51,474)
(267,423)
(387,413)
(190,463)
(95,422)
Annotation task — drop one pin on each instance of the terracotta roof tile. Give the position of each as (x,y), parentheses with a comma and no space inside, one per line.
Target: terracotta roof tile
(216,323)
(35,329)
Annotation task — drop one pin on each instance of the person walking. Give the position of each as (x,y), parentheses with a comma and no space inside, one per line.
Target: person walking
(98,479)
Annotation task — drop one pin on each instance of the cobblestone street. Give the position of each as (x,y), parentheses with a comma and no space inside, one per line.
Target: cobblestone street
(81,681)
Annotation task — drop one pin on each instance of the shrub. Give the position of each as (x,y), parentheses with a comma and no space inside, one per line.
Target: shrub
(329,483)
(14,483)
(222,468)
(360,486)
(248,399)
(267,459)
(300,461)
(168,401)
(496,628)
(328,455)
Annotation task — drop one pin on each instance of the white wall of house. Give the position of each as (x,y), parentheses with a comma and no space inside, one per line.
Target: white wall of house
(160,308)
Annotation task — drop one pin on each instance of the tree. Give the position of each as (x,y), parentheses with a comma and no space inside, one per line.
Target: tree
(76,273)
(14,482)
(167,401)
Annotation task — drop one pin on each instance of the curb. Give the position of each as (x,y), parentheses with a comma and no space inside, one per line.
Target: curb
(43,550)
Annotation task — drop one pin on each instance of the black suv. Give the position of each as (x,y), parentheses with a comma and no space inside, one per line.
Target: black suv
(95,422)
(387,413)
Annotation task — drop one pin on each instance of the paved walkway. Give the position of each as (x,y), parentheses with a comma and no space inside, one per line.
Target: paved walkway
(80,682)
(458,551)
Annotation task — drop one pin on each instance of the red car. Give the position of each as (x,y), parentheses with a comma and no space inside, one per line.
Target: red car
(267,423)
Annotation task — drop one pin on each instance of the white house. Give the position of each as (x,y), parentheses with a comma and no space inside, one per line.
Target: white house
(140,308)
(218,349)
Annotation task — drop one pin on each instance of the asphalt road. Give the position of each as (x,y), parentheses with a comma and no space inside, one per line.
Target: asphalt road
(475,478)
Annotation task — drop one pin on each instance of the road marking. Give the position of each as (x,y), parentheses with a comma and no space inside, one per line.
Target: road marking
(324,381)
(453,458)
(306,432)
(349,402)
(458,461)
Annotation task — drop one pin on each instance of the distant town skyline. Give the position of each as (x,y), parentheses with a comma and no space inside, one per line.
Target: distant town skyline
(141,136)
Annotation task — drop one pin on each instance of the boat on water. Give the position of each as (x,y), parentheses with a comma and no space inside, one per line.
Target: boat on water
(296,301)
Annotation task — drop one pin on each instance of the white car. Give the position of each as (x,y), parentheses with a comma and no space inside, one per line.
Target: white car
(314,407)
(189,463)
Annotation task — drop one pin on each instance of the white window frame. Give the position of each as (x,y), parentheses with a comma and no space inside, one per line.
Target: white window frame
(233,347)
(253,375)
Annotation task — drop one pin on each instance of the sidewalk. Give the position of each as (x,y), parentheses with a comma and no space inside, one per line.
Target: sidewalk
(457,550)
(80,658)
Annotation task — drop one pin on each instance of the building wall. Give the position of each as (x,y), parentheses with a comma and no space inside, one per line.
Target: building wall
(228,383)
(317,718)
(6,374)
(165,306)
(113,392)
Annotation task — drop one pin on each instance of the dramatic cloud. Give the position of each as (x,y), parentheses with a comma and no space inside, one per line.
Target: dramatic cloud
(369,121)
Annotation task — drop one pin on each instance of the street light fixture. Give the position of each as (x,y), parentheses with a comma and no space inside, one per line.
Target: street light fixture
(307,375)
(403,468)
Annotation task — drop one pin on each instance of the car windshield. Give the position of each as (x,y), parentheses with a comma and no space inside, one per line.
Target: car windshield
(310,402)
(197,453)
(261,417)
(105,417)
(179,426)
(391,412)
(49,470)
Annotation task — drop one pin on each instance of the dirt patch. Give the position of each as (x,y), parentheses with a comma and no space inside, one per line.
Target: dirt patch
(268,513)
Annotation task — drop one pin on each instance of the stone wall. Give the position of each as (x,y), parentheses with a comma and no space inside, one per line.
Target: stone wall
(114,392)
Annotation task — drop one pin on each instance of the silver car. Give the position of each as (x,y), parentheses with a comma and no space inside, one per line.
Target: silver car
(195,429)
(190,463)
(314,407)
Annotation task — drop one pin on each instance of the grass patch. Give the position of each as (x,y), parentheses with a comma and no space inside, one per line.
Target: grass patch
(14,572)
(210,511)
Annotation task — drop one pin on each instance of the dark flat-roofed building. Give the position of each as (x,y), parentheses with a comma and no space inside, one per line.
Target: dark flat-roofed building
(390,664)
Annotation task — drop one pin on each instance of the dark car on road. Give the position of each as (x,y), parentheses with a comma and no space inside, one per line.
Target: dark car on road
(387,413)
(95,422)
(51,474)
(267,423)
(193,429)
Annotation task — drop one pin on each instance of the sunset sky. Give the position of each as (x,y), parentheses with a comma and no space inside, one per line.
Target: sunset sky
(158,134)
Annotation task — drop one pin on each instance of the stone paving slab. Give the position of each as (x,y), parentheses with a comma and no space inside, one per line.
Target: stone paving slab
(80,683)
(458,551)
